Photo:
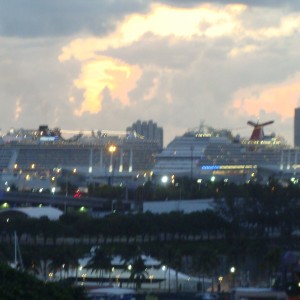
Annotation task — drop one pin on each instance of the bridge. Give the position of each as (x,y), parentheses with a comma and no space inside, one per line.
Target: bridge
(18,199)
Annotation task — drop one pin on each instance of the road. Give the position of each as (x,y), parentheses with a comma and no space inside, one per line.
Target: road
(16,199)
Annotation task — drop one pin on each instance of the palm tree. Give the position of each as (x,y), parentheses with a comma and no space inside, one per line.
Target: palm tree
(138,272)
(100,262)
(205,264)
(171,256)
(272,261)
(31,262)
(57,263)
(129,253)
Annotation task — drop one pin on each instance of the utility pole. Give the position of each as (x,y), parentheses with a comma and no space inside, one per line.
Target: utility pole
(192,158)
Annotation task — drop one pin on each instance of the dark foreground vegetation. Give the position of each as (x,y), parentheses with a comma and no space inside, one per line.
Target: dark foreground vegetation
(15,285)
(250,227)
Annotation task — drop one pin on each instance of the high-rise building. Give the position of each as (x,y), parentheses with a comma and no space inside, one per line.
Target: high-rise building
(149,130)
(297,127)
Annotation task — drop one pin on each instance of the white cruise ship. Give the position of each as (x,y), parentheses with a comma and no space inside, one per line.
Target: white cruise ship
(208,153)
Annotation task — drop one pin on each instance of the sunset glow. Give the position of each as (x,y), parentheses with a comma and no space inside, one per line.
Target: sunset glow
(99,72)
(158,60)
(204,21)
(278,98)
(104,73)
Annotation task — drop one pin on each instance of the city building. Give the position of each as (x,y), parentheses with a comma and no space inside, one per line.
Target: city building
(148,130)
(297,127)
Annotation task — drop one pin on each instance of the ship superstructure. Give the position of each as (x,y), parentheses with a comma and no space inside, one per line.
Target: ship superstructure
(97,154)
(210,153)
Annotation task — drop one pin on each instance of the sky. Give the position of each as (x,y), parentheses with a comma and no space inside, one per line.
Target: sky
(104,64)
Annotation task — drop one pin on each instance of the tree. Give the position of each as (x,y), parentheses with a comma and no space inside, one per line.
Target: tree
(171,256)
(138,272)
(205,263)
(272,262)
(57,263)
(100,262)
(19,286)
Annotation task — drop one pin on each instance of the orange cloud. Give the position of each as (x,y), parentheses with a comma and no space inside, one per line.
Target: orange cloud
(105,72)
(181,22)
(204,21)
(98,72)
(279,98)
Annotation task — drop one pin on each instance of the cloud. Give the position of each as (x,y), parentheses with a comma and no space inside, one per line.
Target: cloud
(33,18)
(254,3)
(99,72)
(18,109)
(207,21)
(79,66)
(105,73)
(279,98)
(33,84)
(197,62)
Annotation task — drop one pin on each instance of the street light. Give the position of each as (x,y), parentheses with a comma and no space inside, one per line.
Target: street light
(164,269)
(112,149)
(219,283)
(232,271)
(164,179)
(83,278)
(50,276)
(151,277)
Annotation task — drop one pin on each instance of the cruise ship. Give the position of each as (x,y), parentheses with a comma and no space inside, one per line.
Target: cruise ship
(98,155)
(211,154)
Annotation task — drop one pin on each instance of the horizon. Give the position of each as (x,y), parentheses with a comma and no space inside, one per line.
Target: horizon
(234,131)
